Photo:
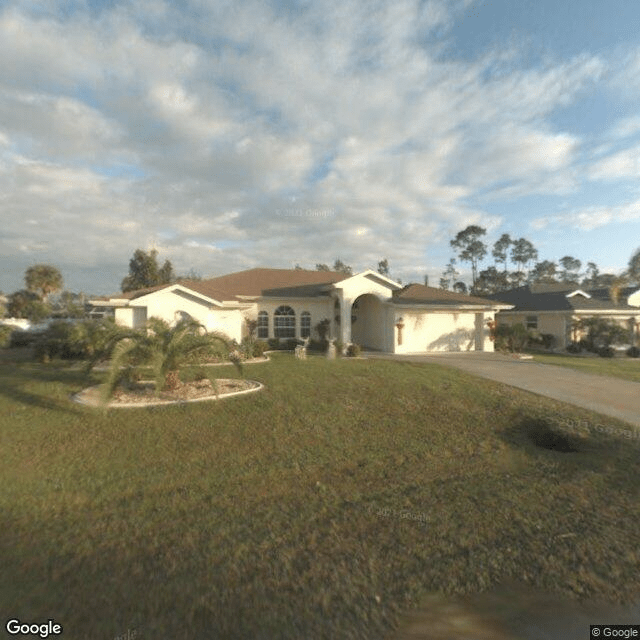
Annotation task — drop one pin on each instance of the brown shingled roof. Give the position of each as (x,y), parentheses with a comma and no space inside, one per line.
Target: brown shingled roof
(421,294)
(252,282)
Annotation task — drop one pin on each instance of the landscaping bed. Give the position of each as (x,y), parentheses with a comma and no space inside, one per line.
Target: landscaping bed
(144,393)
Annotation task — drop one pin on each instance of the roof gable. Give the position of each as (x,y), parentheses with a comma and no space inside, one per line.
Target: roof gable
(578,292)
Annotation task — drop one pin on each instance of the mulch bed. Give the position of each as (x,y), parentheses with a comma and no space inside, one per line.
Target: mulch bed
(145,392)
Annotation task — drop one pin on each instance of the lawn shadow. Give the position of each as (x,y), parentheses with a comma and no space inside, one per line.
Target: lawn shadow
(14,381)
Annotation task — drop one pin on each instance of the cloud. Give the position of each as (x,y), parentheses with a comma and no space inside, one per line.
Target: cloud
(591,218)
(618,166)
(191,125)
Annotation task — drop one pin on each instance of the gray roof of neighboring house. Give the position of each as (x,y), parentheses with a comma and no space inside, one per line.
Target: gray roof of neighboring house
(554,297)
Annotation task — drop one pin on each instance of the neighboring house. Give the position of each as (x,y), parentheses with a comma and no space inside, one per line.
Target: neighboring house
(368,309)
(558,308)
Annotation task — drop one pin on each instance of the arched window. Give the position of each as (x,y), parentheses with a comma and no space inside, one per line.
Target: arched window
(305,324)
(284,322)
(263,325)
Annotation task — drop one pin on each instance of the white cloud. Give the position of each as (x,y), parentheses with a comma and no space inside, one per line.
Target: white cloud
(201,122)
(621,165)
(591,218)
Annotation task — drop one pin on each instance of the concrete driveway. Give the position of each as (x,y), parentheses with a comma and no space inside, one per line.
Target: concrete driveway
(609,396)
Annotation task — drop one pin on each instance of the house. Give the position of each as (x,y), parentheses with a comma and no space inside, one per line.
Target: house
(367,308)
(558,308)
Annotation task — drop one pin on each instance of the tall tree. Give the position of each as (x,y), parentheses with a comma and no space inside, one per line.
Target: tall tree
(43,279)
(592,273)
(341,267)
(449,275)
(383,267)
(522,253)
(543,273)
(471,248)
(27,304)
(322,267)
(490,280)
(501,249)
(570,268)
(634,267)
(144,271)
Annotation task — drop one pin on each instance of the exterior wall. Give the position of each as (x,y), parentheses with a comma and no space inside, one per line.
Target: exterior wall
(634,299)
(167,305)
(318,308)
(483,331)
(436,331)
(560,324)
(347,291)
(373,326)
(171,307)
(132,317)
(557,324)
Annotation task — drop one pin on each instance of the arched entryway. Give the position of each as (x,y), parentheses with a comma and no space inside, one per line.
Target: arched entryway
(368,327)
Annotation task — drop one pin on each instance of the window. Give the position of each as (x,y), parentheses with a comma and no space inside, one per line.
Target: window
(263,325)
(284,322)
(305,324)
(532,322)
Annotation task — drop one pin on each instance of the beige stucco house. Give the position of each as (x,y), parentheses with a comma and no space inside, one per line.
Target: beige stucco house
(367,309)
(557,309)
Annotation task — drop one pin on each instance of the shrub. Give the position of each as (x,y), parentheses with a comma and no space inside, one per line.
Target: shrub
(323,331)
(633,352)
(339,348)
(273,344)
(5,335)
(259,347)
(20,338)
(574,347)
(511,338)
(606,352)
(548,340)
(353,351)
(587,345)
(317,345)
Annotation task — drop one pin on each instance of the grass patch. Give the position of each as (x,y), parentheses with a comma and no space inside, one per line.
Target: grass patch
(321,507)
(619,367)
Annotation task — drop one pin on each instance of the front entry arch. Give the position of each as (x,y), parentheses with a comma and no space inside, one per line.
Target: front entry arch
(368,322)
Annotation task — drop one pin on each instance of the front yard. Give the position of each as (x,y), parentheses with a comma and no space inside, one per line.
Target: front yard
(321,507)
(619,367)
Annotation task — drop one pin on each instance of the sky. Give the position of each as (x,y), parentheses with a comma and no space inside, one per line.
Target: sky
(229,135)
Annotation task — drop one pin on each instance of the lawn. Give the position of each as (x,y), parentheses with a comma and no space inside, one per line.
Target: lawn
(619,367)
(320,507)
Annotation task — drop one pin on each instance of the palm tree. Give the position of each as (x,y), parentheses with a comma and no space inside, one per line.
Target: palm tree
(164,348)
(43,279)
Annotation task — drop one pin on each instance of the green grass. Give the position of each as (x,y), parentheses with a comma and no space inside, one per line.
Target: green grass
(619,367)
(320,507)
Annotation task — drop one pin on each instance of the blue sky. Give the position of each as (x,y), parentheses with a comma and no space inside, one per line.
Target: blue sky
(232,135)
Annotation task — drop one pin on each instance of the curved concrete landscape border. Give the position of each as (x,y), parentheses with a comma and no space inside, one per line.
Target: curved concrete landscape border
(90,397)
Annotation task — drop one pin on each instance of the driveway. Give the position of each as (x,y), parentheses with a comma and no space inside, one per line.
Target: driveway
(609,396)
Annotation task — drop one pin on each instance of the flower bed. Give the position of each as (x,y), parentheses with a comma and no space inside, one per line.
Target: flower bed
(143,394)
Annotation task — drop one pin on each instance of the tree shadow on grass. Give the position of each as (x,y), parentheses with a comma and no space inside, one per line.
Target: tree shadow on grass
(574,445)
(14,380)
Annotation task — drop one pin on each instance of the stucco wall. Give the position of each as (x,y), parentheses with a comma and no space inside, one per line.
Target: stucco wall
(436,331)
(371,326)
(554,323)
